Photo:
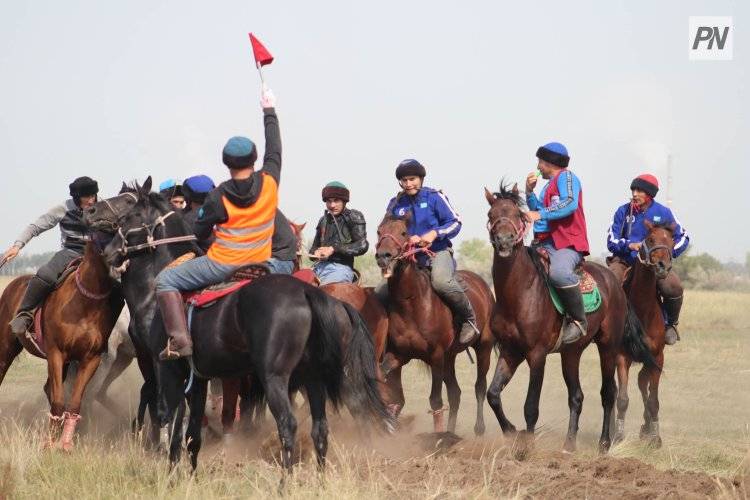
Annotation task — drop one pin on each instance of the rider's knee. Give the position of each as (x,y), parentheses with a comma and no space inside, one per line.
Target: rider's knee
(562,277)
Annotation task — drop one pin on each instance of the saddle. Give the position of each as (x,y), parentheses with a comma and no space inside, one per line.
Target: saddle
(239,279)
(592,299)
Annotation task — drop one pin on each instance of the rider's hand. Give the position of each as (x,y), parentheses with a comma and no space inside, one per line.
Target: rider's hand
(533,216)
(531,182)
(267,99)
(11,253)
(325,252)
(428,238)
(635,246)
(415,240)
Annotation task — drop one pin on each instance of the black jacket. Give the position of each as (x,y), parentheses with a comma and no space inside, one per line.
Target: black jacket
(242,192)
(284,241)
(346,233)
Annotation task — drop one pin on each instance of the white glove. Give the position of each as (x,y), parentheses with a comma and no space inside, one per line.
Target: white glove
(267,99)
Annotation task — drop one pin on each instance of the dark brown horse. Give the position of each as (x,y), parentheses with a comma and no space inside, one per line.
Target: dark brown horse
(421,326)
(654,262)
(77,320)
(527,325)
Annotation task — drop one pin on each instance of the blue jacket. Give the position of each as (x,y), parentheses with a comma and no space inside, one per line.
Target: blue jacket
(430,209)
(627,229)
(560,208)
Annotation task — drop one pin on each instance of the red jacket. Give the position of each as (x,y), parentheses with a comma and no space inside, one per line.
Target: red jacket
(568,232)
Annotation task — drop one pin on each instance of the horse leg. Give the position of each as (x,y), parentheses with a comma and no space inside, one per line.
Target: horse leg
(536,361)
(436,393)
(570,367)
(608,394)
(193,436)
(11,349)
(653,402)
(506,367)
(230,389)
(643,379)
(316,395)
(623,372)
(480,386)
(454,391)
(86,369)
(396,391)
(55,364)
(277,394)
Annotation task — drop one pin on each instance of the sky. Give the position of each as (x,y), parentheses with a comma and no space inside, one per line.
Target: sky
(122,90)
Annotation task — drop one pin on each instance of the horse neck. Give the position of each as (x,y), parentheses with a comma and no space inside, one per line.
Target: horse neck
(513,274)
(406,284)
(93,271)
(642,287)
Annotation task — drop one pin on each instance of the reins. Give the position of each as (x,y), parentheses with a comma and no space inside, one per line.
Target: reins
(408,250)
(646,259)
(151,242)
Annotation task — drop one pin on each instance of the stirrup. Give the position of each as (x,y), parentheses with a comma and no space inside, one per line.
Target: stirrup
(169,355)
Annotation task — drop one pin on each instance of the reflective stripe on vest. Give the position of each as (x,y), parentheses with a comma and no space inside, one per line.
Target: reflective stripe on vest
(245,237)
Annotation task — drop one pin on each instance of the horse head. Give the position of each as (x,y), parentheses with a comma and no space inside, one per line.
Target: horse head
(393,242)
(656,249)
(105,214)
(507,223)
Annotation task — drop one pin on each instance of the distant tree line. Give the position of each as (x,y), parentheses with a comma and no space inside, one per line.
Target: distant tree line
(25,264)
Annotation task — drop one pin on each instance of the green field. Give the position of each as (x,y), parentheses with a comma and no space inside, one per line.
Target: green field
(705,425)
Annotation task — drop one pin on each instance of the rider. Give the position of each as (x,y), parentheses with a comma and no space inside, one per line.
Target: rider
(628,231)
(240,213)
(340,236)
(433,223)
(69,215)
(195,189)
(560,228)
(171,189)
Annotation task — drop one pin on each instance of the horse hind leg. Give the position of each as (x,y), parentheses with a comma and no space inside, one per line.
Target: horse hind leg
(193,435)
(317,396)
(454,392)
(10,348)
(277,388)
(230,389)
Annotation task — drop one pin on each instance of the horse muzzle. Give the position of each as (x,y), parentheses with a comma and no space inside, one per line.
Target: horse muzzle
(386,263)
(503,244)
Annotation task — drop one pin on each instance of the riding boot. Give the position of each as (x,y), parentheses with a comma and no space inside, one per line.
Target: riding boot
(574,324)
(36,291)
(463,313)
(179,343)
(672,307)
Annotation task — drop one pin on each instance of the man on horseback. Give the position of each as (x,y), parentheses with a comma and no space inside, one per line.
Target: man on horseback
(240,214)
(340,236)
(433,223)
(74,233)
(626,234)
(171,189)
(195,189)
(560,229)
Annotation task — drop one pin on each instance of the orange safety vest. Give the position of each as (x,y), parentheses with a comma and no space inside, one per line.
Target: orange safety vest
(245,238)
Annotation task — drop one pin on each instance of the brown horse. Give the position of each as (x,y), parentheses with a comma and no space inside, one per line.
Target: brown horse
(654,262)
(421,326)
(527,325)
(77,319)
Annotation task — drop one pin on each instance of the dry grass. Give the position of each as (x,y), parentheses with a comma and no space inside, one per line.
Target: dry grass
(705,422)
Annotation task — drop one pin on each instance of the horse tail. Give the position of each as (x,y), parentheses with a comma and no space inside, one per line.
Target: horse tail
(325,343)
(363,396)
(634,340)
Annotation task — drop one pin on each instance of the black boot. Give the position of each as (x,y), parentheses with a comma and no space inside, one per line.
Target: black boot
(672,307)
(574,324)
(36,291)
(463,312)
(179,343)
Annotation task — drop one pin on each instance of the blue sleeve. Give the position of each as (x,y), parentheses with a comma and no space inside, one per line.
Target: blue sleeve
(569,188)
(615,243)
(533,202)
(681,238)
(449,222)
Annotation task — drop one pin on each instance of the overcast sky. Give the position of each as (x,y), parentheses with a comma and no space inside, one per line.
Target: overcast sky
(121,90)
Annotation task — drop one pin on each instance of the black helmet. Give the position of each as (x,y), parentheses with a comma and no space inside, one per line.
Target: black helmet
(410,167)
(83,186)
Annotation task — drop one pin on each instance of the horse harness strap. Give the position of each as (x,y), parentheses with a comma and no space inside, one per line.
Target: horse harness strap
(646,260)
(151,242)
(408,251)
(85,292)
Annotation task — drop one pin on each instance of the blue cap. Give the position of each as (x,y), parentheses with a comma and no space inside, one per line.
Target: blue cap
(168,184)
(199,184)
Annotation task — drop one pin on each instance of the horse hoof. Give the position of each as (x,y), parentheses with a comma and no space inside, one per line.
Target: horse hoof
(618,438)
(655,442)
(479,430)
(569,447)
(604,447)
(523,445)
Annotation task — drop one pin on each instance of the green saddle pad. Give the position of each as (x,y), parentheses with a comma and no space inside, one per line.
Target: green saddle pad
(591,300)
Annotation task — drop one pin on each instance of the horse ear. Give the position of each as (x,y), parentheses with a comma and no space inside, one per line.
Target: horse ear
(490,197)
(672,226)
(146,188)
(515,188)
(302,226)
(124,187)
(649,225)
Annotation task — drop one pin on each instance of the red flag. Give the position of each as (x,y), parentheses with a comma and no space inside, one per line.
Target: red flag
(262,56)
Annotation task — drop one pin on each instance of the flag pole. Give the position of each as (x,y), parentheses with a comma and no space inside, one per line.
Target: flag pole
(260,72)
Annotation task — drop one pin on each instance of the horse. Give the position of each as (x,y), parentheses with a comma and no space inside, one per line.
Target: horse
(76,319)
(421,326)
(283,332)
(654,262)
(527,325)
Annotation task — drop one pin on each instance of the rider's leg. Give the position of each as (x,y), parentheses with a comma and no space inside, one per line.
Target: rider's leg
(278,266)
(447,286)
(671,291)
(333,272)
(191,275)
(38,288)
(563,277)
(618,267)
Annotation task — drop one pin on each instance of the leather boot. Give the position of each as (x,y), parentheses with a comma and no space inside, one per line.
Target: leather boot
(672,307)
(179,343)
(574,324)
(36,291)
(463,313)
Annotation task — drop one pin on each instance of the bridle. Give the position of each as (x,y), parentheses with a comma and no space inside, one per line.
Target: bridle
(115,212)
(408,251)
(645,259)
(520,232)
(151,242)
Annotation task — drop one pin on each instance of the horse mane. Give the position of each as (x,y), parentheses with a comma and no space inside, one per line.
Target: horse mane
(505,192)
(389,217)
(536,259)
(668,226)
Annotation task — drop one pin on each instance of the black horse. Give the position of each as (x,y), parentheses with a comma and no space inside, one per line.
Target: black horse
(285,333)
